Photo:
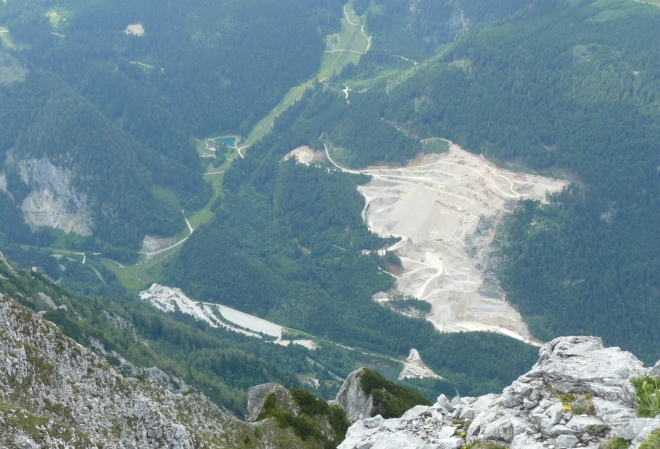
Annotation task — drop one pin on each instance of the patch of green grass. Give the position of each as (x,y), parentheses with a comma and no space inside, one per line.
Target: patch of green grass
(617,443)
(484,445)
(436,146)
(598,430)
(648,396)
(138,277)
(350,37)
(652,442)
(167,197)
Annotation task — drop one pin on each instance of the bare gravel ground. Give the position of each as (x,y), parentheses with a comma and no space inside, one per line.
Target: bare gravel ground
(446,208)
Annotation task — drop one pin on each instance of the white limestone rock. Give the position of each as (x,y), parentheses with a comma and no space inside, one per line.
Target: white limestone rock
(566,441)
(7,265)
(352,398)
(53,201)
(641,430)
(450,443)
(529,413)
(655,371)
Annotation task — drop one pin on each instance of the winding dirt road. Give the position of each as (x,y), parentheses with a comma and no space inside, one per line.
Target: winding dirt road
(190,228)
(368,38)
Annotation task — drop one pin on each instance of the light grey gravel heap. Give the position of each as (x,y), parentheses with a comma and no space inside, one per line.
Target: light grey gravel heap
(578,394)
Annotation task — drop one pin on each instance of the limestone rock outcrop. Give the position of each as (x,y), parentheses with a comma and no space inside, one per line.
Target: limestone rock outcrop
(578,394)
(353,399)
(55,393)
(53,201)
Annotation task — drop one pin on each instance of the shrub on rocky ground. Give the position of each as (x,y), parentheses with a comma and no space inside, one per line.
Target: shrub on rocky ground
(648,396)
(389,399)
(484,445)
(577,403)
(652,442)
(617,443)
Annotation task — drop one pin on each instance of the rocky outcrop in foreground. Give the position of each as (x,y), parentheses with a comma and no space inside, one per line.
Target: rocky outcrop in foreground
(353,399)
(55,393)
(578,394)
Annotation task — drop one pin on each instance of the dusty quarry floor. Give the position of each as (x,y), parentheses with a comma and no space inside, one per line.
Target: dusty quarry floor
(446,208)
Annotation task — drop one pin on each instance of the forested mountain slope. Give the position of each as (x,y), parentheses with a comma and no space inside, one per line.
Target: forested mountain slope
(415,29)
(117,91)
(54,139)
(570,87)
(217,66)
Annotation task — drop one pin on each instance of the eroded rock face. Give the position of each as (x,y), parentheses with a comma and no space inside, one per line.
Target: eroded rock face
(55,393)
(71,388)
(352,398)
(578,394)
(53,201)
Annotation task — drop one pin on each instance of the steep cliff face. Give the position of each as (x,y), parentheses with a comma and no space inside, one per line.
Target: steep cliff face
(578,394)
(353,399)
(258,394)
(53,201)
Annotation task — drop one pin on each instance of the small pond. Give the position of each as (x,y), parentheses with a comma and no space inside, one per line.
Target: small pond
(230,141)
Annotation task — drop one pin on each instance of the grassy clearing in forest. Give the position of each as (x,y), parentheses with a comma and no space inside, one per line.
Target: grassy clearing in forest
(435,145)
(351,45)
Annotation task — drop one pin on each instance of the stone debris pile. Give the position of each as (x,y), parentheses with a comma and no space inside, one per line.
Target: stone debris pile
(578,394)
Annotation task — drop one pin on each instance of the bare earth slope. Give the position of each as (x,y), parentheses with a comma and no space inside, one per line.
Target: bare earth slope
(446,208)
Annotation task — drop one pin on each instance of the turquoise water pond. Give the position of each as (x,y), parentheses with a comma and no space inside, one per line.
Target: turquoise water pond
(230,141)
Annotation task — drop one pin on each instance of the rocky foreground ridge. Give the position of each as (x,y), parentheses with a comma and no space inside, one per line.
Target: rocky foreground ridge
(55,393)
(578,394)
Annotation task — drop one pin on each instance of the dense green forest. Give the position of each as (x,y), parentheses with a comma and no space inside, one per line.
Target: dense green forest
(120,110)
(214,65)
(417,29)
(572,87)
(44,118)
